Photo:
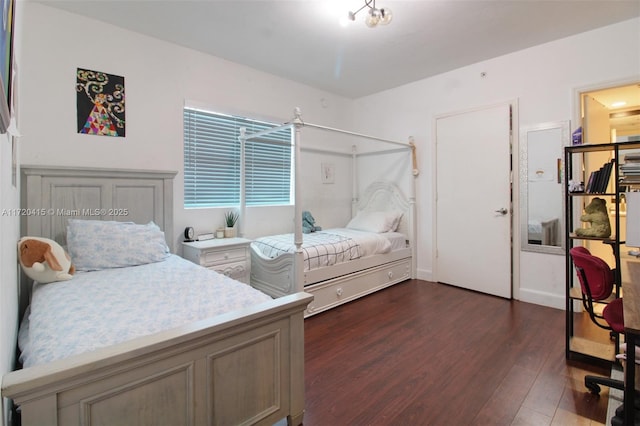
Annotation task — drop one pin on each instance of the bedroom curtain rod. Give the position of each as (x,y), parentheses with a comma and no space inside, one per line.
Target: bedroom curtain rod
(255,135)
(327,151)
(332,129)
(320,127)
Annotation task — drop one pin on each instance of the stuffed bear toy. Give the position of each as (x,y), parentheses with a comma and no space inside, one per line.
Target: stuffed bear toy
(43,260)
(309,223)
(595,213)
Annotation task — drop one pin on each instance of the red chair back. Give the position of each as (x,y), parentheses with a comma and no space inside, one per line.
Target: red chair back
(598,276)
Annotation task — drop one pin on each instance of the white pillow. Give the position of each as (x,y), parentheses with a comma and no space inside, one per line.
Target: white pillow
(375,221)
(99,244)
(395,221)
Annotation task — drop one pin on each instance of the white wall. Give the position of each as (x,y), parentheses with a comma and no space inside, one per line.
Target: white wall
(159,78)
(9,224)
(542,79)
(9,234)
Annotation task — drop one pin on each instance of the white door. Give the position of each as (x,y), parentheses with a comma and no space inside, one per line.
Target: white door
(473,200)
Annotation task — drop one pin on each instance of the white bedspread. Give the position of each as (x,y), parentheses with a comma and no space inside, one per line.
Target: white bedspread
(326,248)
(101,308)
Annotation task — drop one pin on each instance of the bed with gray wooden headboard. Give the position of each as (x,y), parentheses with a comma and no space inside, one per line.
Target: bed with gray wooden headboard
(191,374)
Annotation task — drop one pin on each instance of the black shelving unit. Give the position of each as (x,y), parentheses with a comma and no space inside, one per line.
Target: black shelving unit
(584,339)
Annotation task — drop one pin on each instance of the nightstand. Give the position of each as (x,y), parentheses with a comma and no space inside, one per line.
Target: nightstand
(228,256)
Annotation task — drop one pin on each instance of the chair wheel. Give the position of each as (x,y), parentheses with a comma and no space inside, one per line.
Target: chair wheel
(594,388)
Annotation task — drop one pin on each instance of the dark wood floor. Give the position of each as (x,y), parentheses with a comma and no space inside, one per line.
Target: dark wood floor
(421,353)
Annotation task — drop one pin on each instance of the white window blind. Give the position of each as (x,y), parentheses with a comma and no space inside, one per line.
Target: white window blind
(212,161)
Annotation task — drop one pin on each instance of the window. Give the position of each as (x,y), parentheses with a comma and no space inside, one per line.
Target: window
(212,161)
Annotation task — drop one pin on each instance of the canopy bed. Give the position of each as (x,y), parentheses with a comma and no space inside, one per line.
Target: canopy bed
(374,250)
(216,351)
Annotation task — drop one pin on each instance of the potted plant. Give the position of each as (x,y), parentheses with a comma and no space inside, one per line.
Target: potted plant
(230,219)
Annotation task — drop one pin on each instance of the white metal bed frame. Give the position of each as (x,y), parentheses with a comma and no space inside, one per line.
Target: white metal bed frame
(337,284)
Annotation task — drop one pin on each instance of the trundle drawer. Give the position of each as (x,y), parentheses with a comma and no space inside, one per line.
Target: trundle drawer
(343,289)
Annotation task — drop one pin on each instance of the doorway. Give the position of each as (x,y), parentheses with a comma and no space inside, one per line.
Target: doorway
(473,214)
(611,114)
(608,114)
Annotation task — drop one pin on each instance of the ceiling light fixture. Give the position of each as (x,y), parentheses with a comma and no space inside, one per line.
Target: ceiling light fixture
(375,16)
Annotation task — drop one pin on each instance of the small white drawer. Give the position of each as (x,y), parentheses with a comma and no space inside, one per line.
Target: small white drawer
(211,257)
(228,256)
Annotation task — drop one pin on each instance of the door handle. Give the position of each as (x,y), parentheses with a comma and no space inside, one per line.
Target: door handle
(502,211)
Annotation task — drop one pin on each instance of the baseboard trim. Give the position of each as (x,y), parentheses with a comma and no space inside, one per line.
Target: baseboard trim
(542,298)
(425,274)
(525,294)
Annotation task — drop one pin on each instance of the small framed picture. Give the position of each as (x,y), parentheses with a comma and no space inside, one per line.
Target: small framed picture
(328,172)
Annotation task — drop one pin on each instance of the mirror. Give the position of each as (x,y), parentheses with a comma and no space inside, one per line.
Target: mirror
(542,187)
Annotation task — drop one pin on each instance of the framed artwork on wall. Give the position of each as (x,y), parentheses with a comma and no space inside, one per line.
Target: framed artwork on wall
(100,103)
(6,61)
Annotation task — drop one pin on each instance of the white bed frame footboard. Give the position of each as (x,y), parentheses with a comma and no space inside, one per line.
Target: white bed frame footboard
(241,368)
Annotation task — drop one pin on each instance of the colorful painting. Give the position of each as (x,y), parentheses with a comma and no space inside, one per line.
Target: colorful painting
(100,103)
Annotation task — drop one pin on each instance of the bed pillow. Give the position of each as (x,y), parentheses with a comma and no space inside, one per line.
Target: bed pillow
(396,216)
(375,221)
(98,244)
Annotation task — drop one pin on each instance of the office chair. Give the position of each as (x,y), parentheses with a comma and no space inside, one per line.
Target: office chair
(596,283)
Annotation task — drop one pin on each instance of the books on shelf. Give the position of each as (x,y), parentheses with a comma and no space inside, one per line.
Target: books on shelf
(632,157)
(630,169)
(599,179)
